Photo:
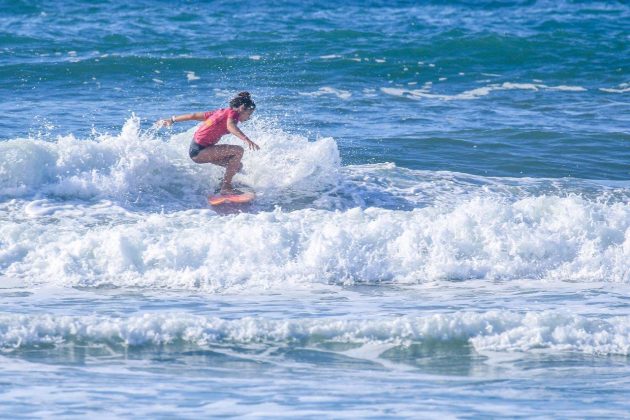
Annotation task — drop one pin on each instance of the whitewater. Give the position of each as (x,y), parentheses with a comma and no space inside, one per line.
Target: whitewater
(108,246)
(128,210)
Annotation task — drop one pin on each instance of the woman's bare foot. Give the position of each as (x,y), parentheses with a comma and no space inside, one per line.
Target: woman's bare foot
(230,191)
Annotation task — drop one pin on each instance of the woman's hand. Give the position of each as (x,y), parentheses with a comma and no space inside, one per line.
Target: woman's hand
(251,144)
(164,123)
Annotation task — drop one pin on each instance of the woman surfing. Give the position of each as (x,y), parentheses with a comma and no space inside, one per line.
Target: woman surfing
(216,124)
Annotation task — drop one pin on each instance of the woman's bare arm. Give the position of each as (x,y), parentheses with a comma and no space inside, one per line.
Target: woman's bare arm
(233,128)
(196,116)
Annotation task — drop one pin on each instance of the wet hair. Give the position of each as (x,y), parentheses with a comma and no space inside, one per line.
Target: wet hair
(243,98)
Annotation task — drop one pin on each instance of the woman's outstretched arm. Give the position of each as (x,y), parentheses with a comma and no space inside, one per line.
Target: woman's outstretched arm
(196,116)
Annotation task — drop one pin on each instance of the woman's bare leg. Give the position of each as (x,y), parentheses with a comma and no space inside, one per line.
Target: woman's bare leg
(224,163)
(226,155)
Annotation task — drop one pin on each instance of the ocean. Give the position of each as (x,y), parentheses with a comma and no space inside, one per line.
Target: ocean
(441,228)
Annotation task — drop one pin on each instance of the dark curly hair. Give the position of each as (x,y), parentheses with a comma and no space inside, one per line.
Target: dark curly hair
(243,98)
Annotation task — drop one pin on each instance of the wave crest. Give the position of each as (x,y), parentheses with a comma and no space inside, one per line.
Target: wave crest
(488,331)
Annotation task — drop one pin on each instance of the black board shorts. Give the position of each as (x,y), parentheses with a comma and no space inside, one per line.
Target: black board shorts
(195,149)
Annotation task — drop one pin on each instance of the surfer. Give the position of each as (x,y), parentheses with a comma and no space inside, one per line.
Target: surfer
(216,124)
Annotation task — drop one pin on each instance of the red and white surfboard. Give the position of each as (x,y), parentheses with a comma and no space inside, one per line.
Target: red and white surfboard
(246,197)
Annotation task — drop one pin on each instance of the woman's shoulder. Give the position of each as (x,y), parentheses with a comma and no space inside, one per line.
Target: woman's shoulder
(222,113)
(215,112)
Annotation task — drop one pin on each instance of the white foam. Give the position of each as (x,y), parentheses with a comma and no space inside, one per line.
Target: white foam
(546,237)
(191,76)
(520,86)
(565,88)
(78,232)
(46,208)
(558,331)
(477,92)
(423,93)
(327,90)
(621,88)
(486,331)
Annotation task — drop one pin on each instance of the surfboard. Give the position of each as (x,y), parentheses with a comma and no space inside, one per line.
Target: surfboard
(218,199)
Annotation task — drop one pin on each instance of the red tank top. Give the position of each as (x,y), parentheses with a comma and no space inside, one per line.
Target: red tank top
(215,126)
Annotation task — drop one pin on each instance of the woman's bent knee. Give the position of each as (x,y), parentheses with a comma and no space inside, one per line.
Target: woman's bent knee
(238,152)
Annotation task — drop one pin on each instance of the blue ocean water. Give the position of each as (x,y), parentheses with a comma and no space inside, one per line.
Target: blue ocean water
(442,224)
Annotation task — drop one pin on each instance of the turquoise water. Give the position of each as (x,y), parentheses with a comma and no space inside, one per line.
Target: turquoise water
(442,224)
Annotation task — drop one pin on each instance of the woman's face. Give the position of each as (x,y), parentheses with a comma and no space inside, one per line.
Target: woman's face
(245,114)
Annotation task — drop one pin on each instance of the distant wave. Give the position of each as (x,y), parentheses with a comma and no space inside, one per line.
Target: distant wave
(485,331)
(477,92)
